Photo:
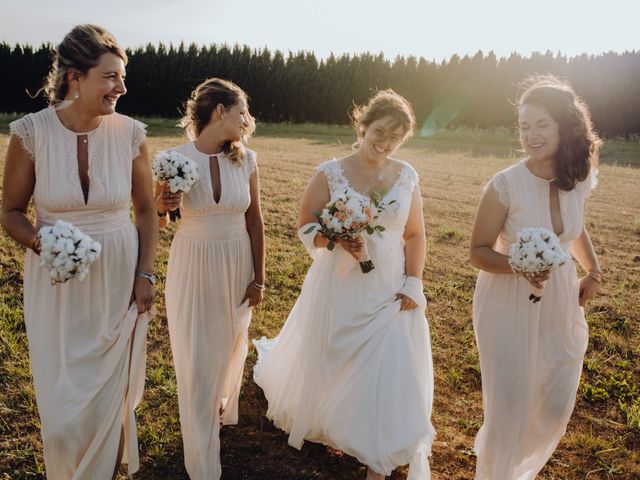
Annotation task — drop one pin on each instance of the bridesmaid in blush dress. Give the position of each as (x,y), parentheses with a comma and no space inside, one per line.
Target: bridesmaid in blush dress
(531,353)
(216,269)
(85,164)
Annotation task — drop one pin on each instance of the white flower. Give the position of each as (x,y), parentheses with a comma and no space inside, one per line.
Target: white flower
(66,251)
(335,225)
(180,172)
(536,249)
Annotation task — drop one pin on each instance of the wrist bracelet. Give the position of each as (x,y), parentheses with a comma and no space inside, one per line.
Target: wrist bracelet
(257,286)
(35,243)
(596,275)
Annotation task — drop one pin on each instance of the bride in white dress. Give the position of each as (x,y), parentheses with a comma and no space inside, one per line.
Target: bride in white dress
(352,365)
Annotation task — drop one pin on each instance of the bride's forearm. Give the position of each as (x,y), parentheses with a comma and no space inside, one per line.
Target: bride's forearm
(414,251)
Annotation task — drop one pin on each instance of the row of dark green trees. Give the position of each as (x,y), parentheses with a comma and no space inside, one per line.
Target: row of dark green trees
(298,87)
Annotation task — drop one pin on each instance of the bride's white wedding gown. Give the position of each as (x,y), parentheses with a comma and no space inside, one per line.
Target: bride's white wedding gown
(349,369)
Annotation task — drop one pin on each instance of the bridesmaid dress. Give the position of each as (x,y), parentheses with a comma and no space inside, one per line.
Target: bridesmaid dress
(210,267)
(530,353)
(87,343)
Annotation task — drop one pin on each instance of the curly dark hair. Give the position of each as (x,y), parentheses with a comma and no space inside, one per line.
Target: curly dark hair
(579,143)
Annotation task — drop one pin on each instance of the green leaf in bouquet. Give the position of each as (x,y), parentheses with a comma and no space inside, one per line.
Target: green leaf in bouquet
(310,229)
(331,245)
(377,196)
(379,228)
(370,230)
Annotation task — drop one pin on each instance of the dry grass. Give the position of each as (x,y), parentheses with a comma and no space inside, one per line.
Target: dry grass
(602,440)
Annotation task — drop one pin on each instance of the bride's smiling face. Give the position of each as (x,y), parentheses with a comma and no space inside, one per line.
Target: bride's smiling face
(382,137)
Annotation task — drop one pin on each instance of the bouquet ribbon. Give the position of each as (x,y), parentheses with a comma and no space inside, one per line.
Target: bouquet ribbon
(345,261)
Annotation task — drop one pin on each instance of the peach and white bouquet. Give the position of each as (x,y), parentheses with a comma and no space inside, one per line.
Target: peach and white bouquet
(536,250)
(347,217)
(67,252)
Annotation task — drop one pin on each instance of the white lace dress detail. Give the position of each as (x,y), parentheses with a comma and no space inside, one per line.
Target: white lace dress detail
(335,179)
(251,163)
(24,130)
(500,185)
(96,167)
(139,137)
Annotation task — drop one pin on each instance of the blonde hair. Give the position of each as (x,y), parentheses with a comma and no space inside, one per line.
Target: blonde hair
(81,50)
(200,106)
(385,103)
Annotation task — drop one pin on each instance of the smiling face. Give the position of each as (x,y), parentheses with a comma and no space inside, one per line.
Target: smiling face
(236,121)
(101,86)
(382,137)
(539,132)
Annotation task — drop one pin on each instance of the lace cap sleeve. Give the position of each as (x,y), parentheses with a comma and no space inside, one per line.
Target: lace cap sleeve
(500,185)
(139,137)
(24,129)
(408,177)
(252,163)
(332,171)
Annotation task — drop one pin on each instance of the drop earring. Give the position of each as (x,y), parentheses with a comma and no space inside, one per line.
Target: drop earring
(75,96)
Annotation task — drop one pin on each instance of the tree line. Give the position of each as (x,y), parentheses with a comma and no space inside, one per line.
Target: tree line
(298,87)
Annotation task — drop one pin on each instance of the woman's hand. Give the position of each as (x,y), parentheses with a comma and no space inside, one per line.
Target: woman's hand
(167,201)
(143,294)
(354,246)
(536,279)
(405,302)
(589,287)
(254,294)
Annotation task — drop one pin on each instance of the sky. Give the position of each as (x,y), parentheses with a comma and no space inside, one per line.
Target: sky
(423,28)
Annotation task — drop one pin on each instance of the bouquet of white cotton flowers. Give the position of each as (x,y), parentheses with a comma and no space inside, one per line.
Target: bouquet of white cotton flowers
(179,172)
(67,252)
(536,250)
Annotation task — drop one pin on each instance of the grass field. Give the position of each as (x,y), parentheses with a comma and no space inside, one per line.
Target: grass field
(603,437)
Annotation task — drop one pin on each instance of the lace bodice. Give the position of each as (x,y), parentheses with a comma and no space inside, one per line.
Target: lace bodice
(397,199)
(53,148)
